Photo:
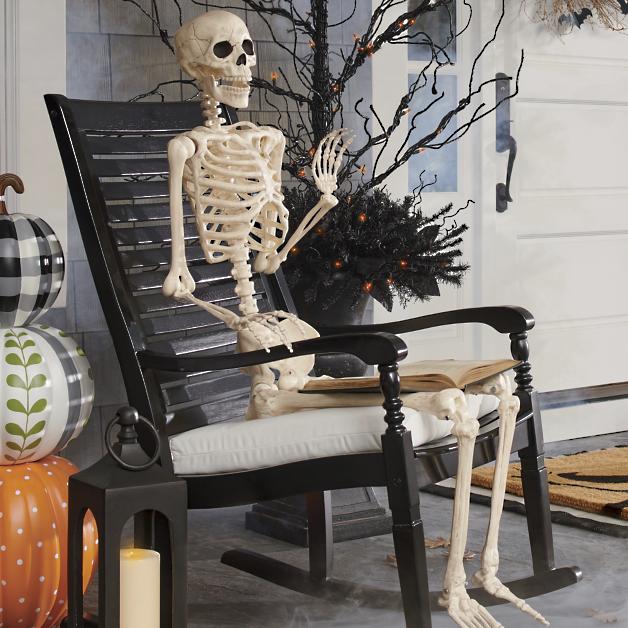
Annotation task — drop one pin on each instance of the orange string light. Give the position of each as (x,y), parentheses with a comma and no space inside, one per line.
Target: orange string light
(403,263)
(273,77)
(367,286)
(362,217)
(337,264)
(294,250)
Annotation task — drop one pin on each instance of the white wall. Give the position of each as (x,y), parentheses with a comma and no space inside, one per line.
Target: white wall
(32,63)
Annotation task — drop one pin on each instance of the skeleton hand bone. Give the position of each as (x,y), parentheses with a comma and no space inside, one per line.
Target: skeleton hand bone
(327,161)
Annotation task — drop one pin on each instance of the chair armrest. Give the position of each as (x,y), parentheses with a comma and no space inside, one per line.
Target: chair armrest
(506,319)
(372,348)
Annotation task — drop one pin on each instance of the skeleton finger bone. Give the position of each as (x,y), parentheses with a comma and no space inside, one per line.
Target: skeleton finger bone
(343,149)
(346,137)
(330,149)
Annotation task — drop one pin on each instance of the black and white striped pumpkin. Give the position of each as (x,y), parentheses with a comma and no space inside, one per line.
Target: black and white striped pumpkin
(31,265)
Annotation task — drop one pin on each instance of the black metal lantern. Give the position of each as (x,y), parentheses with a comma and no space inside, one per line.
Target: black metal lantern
(127,483)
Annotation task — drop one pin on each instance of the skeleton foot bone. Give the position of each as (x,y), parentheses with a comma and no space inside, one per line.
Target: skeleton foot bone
(466,612)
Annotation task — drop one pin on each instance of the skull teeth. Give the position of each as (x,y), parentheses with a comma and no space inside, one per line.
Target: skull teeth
(237,82)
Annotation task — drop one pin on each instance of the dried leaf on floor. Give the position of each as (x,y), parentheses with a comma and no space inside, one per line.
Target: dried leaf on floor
(468,555)
(601,616)
(439,541)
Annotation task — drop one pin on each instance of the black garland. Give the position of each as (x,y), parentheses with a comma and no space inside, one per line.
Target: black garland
(375,245)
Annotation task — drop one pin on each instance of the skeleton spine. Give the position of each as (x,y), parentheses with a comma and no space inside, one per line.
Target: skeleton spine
(241,272)
(211,111)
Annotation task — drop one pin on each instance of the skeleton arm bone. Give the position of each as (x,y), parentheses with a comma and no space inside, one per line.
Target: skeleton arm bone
(179,281)
(316,214)
(325,168)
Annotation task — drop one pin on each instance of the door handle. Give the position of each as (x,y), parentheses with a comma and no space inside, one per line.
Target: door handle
(504,141)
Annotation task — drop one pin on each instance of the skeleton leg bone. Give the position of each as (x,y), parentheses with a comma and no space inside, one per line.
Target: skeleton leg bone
(501,387)
(466,612)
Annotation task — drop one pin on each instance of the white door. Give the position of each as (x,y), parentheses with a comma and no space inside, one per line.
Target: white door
(394,66)
(561,247)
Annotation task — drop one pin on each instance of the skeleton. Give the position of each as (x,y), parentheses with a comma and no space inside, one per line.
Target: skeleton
(232,177)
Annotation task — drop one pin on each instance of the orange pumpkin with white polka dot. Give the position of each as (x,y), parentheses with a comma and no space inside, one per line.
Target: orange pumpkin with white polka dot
(33,543)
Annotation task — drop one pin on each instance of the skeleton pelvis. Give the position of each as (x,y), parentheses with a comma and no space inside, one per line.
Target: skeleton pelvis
(293,372)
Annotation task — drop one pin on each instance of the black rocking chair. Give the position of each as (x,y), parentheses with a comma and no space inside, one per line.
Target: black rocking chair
(180,369)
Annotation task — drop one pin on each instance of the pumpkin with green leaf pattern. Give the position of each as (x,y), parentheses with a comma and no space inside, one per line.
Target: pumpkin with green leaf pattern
(46,392)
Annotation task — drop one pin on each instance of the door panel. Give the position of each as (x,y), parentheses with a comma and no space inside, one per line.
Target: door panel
(562,245)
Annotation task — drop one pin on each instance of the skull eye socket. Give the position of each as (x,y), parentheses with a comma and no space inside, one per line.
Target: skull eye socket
(247,46)
(223,49)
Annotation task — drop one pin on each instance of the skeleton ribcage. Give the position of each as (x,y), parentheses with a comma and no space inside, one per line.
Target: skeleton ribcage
(235,198)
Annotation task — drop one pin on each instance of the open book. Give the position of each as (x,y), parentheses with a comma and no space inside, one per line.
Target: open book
(424,376)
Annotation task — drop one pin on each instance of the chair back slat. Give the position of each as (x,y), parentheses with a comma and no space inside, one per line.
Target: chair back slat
(202,274)
(139,167)
(139,212)
(134,190)
(106,145)
(154,234)
(152,258)
(115,156)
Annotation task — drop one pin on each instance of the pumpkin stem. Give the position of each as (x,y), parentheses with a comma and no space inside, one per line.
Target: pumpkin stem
(9,180)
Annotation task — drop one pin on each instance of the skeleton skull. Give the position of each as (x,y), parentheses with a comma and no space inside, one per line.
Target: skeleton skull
(216,50)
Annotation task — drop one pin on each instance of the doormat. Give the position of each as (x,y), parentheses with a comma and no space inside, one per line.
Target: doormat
(593,482)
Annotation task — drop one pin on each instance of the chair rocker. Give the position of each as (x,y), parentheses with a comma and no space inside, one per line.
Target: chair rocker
(181,372)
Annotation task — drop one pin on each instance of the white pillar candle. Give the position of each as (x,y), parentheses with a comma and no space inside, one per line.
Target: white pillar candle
(139,588)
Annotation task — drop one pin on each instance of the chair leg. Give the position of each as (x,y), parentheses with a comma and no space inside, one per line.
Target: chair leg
(536,495)
(403,498)
(533,471)
(412,567)
(320,535)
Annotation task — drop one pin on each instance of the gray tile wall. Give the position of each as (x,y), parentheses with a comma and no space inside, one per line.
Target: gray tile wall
(114,53)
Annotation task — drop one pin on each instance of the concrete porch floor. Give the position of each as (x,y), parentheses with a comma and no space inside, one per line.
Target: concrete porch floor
(220,596)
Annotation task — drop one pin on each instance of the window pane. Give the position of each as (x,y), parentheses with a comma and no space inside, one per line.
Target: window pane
(440,26)
(443,162)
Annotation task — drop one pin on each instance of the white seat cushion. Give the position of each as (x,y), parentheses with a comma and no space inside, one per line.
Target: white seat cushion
(245,445)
